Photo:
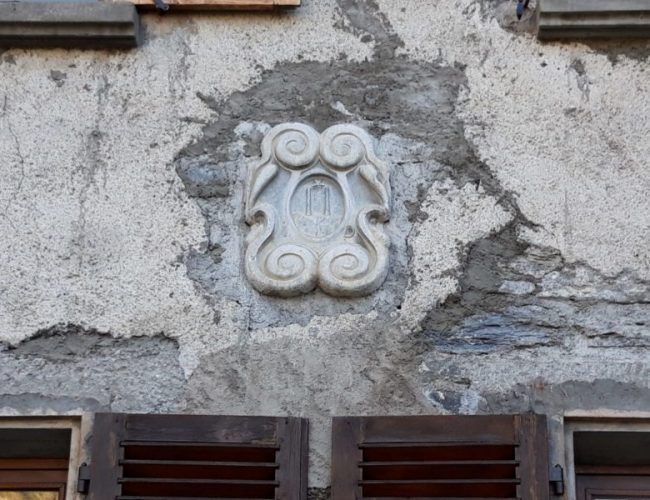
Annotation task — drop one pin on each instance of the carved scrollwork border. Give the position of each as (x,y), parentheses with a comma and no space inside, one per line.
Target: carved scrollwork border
(345,268)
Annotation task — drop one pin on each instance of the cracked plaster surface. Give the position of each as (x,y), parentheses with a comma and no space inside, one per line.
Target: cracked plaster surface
(523,218)
(570,139)
(95,221)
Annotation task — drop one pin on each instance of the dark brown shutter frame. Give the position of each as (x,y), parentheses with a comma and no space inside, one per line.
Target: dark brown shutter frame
(496,456)
(198,456)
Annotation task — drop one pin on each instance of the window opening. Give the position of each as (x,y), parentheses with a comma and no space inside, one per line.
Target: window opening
(34,463)
(610,459)
(38,458)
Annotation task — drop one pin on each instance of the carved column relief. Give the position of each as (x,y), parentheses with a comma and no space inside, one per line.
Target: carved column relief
(317,206)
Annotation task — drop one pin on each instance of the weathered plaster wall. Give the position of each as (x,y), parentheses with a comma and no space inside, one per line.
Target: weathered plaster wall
(519,279)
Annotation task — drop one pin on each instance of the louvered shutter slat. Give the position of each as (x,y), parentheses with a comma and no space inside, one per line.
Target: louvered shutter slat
(439,498)
(440,457)
(182,456)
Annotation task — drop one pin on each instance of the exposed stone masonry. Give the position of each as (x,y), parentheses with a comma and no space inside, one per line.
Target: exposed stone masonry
(519,262)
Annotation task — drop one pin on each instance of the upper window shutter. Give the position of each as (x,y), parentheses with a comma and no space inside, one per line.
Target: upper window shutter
(198,456)
(500,456)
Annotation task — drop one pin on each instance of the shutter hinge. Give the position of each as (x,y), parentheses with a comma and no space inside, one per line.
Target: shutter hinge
(83,479)
(557,479)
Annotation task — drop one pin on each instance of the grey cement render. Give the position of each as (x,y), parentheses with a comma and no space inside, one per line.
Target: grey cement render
(519,275)
(91,25)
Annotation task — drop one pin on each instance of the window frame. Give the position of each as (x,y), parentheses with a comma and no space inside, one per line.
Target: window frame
(623,487)
(75,423)
(600,421)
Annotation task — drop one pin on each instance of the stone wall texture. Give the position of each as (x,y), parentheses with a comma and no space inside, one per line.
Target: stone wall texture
(520,264)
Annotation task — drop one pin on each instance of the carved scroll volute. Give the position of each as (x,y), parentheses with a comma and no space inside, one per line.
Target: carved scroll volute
(317,206)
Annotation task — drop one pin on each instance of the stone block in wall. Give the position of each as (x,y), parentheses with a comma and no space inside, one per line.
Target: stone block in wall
(560,19)
(69,25)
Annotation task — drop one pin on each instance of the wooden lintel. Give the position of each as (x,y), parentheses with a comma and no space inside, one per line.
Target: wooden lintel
(221,4)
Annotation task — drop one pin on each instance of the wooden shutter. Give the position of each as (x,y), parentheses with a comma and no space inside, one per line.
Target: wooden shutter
(261,5)
(198,456)
(504,456)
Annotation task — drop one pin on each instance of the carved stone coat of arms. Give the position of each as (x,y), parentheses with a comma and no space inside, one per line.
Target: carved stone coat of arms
(317,205)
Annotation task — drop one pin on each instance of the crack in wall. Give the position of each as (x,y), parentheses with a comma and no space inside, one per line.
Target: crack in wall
(88,171)
(21,164)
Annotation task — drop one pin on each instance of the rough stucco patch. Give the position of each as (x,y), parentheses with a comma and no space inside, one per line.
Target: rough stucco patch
(555,399)
(92,223)
(218,269)
(523,313)
(409,104)
(319,494)
(66,367)
(578,175)
(27,403)
(364,18)
(454,218)
(621,51)
(470,376)
(514,295)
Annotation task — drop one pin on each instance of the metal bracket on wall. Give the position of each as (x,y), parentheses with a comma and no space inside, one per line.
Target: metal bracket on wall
(83,479)
(556,475)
